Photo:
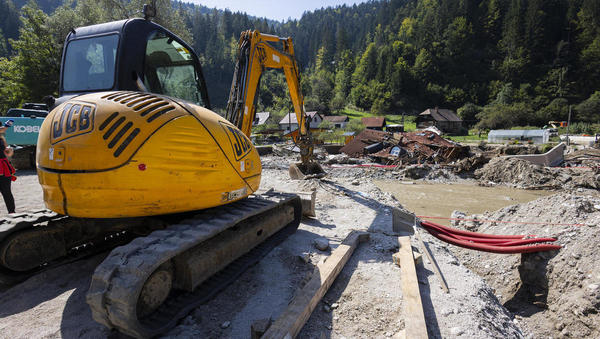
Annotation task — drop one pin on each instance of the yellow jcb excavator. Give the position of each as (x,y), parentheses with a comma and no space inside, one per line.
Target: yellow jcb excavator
(131,150)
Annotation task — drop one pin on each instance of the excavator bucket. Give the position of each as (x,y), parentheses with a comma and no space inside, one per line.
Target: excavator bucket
(312,170)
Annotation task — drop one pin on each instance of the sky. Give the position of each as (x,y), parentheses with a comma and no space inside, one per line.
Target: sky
(274,9)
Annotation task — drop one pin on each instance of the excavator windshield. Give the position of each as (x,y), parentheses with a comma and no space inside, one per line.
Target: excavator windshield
(169,69)
(90,64)
(166,66)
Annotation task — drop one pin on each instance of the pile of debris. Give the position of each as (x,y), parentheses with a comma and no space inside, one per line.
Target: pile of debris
(404,148)
(521,173)
(481,154)
(589,157)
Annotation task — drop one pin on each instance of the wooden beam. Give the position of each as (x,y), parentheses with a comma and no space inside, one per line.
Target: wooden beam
(289,324)
(414,318)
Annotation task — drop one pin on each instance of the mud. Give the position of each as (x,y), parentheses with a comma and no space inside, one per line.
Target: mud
(440,200)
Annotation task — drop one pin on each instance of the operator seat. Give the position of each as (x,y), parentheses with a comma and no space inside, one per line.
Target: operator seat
(153,62)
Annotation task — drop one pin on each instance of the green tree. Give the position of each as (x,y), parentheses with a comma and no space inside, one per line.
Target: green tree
(11,86)
(366,69)
(355,125)
(37,62)
(503,116)
(468,113)
(589,109)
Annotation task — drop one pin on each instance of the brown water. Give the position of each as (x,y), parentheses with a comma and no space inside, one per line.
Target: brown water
(440,200)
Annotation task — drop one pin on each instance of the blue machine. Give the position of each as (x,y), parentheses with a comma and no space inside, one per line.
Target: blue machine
(24,130)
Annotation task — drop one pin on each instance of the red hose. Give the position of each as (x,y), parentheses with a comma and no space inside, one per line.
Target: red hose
(493,248)
(488,242)
(462,237)
(469,234)
(502,242)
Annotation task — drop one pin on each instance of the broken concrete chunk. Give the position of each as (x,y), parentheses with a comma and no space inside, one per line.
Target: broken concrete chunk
(456,331)
(457,215)
(305,257)
(322,244)
(417,256)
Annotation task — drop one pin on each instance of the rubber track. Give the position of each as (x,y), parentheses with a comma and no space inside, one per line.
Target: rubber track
(22,221)
(117,282)
(17,222)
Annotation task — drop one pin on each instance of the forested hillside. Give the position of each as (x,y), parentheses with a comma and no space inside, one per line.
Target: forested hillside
(499,62)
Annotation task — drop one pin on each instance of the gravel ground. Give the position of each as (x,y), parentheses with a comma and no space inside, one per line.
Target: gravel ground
(365,301)
(27,193)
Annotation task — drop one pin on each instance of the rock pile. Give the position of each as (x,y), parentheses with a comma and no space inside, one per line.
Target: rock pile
(523,174)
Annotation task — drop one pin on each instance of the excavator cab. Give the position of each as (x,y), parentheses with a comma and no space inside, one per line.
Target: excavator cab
(107,57)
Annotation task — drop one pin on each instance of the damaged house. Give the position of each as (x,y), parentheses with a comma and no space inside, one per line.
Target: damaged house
(404,148)
(444,119)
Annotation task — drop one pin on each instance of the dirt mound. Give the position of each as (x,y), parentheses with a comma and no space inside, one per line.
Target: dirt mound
(552,293)
(523,174)
(516,149)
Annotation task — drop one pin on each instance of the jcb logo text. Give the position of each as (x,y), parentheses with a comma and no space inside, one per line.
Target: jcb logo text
(239,142)
(76,118)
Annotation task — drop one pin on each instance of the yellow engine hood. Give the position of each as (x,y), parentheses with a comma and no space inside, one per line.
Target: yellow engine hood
(118,154)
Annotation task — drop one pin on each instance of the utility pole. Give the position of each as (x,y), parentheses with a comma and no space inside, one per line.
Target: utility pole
(568,126)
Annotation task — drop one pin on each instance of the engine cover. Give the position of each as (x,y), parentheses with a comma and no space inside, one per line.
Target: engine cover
(125,154)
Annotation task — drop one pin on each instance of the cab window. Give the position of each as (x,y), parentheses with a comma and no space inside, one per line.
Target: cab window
(90,64)
(169,69)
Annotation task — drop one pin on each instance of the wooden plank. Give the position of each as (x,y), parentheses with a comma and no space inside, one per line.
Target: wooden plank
(436,268)
(414,317)
(289,324)
(404,223)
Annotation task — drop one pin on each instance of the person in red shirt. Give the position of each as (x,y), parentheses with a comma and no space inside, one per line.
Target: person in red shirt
(7,172)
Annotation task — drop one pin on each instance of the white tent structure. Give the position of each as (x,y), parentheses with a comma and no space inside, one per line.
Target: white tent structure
(537,136)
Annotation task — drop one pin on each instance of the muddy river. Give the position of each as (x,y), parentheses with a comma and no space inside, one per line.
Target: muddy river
(439,200)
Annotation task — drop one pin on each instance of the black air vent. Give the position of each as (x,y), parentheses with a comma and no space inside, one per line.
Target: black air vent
(145,103)
(119,129)
(126,142)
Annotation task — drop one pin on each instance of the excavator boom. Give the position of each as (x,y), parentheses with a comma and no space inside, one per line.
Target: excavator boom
(255,54)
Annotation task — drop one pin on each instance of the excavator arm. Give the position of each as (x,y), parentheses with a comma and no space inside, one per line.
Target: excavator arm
(255,54)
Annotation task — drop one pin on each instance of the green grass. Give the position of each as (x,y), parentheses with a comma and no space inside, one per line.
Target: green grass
(470,137)
(473,136)
(391,119)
